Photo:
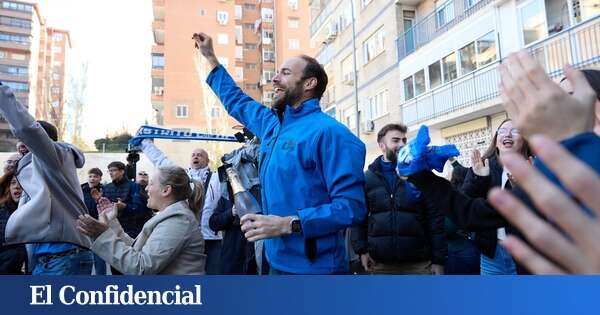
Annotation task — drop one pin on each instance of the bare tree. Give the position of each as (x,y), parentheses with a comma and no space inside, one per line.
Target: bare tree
(76,102)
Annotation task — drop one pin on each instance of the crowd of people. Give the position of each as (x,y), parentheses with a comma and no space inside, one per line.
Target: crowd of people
(528,204)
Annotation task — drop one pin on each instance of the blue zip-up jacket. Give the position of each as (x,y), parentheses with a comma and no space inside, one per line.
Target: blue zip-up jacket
(311,166)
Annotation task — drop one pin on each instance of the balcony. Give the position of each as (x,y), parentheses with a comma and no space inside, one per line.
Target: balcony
(320,20)
(578,46)
(158,28)
(436,23)
(158,8)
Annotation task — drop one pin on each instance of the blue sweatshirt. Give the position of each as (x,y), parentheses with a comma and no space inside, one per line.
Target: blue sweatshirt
(311,166)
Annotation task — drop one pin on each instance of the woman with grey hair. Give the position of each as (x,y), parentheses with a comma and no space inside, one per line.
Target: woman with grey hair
(169,243)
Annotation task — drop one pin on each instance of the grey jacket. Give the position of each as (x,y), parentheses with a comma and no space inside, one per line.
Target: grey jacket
(53,199)
(170,243)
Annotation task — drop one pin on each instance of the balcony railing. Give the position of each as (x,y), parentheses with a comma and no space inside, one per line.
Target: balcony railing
(437,23)
(578,46)
(321,18)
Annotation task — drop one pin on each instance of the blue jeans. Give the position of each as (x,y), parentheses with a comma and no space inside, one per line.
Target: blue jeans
(463,260)
(78,263)
(99,266)
(502,264)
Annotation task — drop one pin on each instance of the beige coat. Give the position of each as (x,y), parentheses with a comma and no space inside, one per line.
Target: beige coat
(169,243)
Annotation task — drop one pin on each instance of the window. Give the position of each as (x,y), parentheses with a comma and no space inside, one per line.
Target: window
(251,86)
(56,76)
(249,6)
(409,89)
(249,26)
(223,61)
(470,3)
(268,96)
(239,52)
(268,75)
(293,4)
(215,112)
(202,12)
(250,46)
(17,86)
(19,39)
(3,54)
(268,55)
(239,35)
(293,23)
(294,44)
(435,74)
(238,12)
(222,17)
(222,39)
(13,70)
(15,22)
(533,21)
(250,66)
(55,90)
(267,37)
(17,6)
(467,59)
(378,105)
(158,86)
(56,49)
(445,13)
(350,117)
(158,61)
(331,112)
(364,3)
(345,17)
(374,45)
(239,73)
(181,111)
(420,83)
(486,49)
(414,85)
(267,15)
(348,69)
(449,67)
(57,37)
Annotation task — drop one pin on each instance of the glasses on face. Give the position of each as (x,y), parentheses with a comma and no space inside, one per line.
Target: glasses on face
(505,131)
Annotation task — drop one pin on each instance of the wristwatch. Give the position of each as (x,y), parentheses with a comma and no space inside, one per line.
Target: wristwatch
(296,226)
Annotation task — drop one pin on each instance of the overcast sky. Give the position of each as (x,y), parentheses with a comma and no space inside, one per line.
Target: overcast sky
(115,38)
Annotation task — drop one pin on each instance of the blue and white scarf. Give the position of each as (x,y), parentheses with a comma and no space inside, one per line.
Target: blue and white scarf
(149,132)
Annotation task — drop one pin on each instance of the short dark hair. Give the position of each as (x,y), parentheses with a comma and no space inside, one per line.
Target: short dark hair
(387,128)
(117,164)
(95,171)
(314,69)
(50,129)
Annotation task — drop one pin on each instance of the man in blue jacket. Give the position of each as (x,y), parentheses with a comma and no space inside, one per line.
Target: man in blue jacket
(311,167)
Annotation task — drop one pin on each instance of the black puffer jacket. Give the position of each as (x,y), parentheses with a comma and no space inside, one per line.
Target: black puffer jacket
(478,187)
(12,257)
(400,226)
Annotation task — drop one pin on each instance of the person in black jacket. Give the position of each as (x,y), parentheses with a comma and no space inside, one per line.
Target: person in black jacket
(402,233)
(12,257)
(487,172)
(92,191)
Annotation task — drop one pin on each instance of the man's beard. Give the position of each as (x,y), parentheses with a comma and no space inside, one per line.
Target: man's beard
(290,97)
(391,155)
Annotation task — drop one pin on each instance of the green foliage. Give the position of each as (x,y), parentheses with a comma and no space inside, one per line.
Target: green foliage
(113,144)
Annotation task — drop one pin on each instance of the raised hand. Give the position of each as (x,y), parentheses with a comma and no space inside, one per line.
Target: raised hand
(537,104)
(204,43)
(480,167)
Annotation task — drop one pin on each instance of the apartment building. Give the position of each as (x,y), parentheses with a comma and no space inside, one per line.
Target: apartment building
(449,51)
(250,38)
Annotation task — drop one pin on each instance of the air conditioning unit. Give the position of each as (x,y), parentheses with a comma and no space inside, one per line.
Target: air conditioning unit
(368,126)
(348,78)
(263,81)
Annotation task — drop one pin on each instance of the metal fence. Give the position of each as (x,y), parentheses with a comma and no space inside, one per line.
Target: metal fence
(436,23)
